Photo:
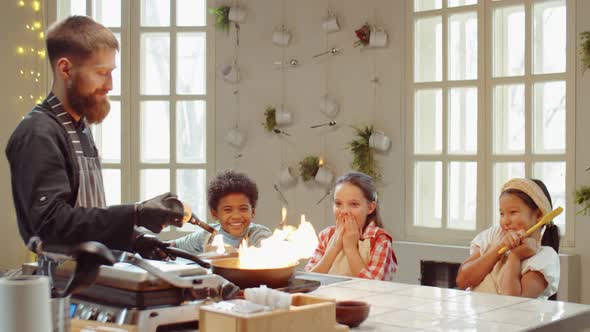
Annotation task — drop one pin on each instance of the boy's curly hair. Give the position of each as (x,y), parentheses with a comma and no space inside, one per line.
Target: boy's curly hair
(229,182)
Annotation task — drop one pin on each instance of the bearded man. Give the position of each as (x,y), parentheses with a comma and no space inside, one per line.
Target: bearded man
(57,183)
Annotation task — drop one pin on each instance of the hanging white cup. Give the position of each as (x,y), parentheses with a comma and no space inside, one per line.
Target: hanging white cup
(281,37)
(286,177)
(330,23)
(283,117)
(379,141)
(329,106)
(378,38)
(237,14)
(324,176)
(235,137)
(231,73)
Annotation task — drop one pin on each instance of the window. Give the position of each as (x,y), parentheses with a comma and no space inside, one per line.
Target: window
(155,138)
(489,97)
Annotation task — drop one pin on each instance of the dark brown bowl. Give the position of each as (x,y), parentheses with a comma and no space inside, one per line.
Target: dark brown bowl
(351,313)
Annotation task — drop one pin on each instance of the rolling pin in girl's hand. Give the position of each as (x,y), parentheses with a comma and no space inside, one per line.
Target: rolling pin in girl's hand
(545,220)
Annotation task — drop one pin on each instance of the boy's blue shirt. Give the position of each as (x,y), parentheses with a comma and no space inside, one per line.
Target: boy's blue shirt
(195,242)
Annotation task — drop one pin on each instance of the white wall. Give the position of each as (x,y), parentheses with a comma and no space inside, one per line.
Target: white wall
(349,75)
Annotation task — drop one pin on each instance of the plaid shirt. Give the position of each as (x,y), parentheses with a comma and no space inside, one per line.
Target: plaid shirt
(382,263)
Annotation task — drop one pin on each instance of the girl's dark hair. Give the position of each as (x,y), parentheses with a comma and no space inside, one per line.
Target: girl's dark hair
(551,234)
(367,186)
(230,182)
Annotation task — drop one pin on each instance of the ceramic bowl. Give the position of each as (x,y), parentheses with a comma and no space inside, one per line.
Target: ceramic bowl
(351,313)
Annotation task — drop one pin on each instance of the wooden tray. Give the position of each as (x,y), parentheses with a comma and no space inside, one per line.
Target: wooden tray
(307,313)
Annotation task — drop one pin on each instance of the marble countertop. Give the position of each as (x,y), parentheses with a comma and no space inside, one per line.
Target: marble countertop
(406,307)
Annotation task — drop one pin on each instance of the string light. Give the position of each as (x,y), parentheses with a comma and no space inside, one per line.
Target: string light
(32,51)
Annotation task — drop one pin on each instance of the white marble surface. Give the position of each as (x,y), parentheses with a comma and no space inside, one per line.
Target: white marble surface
(405,307)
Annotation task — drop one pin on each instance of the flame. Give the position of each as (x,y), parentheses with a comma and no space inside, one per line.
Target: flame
(321,163)
(218,242)
(283,214)
(284,248)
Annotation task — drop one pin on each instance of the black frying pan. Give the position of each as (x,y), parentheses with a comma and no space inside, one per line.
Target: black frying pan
(246,278)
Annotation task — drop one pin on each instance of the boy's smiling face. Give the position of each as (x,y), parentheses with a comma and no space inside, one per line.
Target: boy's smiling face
(234,213)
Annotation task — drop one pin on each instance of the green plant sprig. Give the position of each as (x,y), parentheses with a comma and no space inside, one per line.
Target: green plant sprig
(271,119)
(582,197)
(308,167)
(221,14)
(363,159)
(585,50)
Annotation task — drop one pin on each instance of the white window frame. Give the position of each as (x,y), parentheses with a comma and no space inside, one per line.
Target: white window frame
(484,157)
(130,98)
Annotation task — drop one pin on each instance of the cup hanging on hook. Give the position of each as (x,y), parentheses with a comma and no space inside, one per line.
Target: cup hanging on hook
(281,36)
(330,23)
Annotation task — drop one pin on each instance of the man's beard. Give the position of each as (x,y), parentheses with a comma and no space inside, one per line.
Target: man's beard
(87,106)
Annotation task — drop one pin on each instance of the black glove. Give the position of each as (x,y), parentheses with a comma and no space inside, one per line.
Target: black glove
(159,212)
(150,247)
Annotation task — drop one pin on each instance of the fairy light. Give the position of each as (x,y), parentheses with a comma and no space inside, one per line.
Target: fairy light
(31,51)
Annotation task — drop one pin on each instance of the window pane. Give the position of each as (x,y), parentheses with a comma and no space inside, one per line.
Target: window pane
(107,135)
(112,185)
(428,121)
(462,120)
(190,186)
(154,182)
(66,8)
(107,12)
(428,194)
(422,5)
(508,48)
(549,117)
(457,3)
(502,173)
(462,195)
(428,49)
(190,71)
(191,13)
(191,127)
(549,36)
(116,75)
(155,64)
(463,46)
(155,13)
(508,126)
(155,132)
(553,175)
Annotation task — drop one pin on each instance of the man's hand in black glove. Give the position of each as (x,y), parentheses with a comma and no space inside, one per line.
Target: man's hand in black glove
(150,247)
(159,212)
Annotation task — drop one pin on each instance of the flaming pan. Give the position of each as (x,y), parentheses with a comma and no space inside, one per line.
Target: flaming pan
(245,278)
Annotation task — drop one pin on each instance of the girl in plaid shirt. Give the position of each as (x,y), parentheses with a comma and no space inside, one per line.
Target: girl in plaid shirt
(357,245)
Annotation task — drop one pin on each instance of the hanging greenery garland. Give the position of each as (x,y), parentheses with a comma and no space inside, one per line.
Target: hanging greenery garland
(363,159)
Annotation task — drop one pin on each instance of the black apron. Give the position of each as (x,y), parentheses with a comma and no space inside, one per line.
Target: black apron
(91,188)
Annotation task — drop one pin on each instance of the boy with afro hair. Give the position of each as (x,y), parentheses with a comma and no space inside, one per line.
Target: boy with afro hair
(232,199)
